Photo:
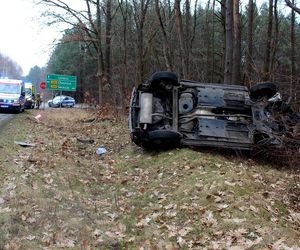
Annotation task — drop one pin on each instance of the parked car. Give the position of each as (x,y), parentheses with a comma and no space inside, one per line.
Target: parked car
(61,101)
(167,112)
(49,103)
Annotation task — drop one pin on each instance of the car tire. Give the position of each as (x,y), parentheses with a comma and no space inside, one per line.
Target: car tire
(261,90)
(161,139)
(168,78)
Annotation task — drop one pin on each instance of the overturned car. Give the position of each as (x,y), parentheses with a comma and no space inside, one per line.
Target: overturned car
(167,112)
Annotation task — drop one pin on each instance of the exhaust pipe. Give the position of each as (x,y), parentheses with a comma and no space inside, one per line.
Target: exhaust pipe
(146,103)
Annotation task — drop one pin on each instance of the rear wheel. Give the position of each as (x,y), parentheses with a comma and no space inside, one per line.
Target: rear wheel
(261,90)
(163,78)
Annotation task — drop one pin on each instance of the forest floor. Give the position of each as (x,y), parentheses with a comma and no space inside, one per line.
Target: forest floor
(61,194)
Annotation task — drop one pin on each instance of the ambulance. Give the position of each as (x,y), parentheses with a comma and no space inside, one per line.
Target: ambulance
(12,95)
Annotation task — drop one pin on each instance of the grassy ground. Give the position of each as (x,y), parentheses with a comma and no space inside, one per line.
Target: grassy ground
(61,194)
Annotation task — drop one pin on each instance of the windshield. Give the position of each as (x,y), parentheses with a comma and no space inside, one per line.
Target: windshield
(58,99)
(6,88)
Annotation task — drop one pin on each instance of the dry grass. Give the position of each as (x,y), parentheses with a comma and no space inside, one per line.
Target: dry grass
(61,194)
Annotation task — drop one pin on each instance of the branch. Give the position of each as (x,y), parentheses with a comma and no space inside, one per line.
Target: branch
(61,5)
(292,6)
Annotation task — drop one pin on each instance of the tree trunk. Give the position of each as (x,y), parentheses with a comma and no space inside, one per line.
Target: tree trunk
(107,84)
(123,86)
(100,61)
(249,50)
(140,16)
(293,57)
(179,28)
(266,75)
(293,6)
(275,41)
(229,42)
(166,46)
(207,39)
(236,71)
(213,43)
(188,46)
(223,23)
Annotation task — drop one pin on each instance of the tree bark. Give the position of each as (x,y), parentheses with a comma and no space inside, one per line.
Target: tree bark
(108,89)
(223,23)
(229,42)
(179,29)
(139,17)
(293,6)
(293,57)
(100,58)
(188,45)
(236,71)
(166,45)
(213,43)
(266,73)
(249,50)
(275,40)
(124,12)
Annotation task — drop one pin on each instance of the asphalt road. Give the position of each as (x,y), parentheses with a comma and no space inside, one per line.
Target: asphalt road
(4,118)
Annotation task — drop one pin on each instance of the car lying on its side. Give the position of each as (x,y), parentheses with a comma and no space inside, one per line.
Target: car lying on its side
(62,101)
(166,112)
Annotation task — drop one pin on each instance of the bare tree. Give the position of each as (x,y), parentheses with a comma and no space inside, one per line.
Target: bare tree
(293,53)
(188,35)
(165,36)
(229,42)
(140,11)
(249,49)
(275,40)
(266,71)
(236,71)
(90,24)
(108,43)
(124,12)
(9,68)
(293,6)
(179,28)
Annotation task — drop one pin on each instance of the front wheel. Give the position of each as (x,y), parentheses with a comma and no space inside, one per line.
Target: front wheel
(161,139)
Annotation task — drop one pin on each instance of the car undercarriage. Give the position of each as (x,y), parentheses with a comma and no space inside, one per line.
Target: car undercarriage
(166,112)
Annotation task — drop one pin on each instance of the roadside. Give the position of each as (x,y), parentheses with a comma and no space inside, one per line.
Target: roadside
(4,117)
(61,194)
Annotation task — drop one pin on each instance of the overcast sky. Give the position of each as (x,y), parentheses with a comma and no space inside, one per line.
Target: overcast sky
(24,36)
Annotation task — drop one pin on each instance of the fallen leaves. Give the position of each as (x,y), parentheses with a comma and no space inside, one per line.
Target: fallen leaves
(61,195)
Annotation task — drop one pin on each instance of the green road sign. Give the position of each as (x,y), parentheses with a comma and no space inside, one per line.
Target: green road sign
(61,82)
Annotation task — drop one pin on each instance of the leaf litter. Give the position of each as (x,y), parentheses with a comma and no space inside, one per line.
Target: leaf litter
(61,194)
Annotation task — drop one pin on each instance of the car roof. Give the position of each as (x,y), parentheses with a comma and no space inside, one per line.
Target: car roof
(62,96)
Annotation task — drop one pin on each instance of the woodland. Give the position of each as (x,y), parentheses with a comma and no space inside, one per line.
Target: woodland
(112,45)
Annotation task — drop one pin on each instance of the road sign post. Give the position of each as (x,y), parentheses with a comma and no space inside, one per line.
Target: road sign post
(61,82)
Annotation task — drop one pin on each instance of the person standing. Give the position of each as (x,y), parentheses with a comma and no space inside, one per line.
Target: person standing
(38,100)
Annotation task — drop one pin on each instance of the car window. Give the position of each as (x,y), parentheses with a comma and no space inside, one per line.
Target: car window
(58,98)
